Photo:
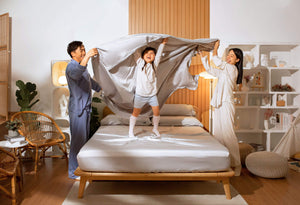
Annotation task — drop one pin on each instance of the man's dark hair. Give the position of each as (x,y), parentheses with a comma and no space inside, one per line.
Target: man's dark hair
(73,46)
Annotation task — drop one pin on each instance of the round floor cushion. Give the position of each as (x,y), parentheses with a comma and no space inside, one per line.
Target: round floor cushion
(267,164)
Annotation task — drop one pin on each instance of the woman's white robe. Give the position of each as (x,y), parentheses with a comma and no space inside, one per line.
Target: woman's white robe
(222,101)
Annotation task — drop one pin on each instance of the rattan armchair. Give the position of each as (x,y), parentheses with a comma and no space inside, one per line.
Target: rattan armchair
(9,170)
(41,132)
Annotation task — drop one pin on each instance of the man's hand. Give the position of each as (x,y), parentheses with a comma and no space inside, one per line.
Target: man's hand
(92,52)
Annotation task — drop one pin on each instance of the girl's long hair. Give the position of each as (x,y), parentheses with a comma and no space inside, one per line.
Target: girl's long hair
(239,54)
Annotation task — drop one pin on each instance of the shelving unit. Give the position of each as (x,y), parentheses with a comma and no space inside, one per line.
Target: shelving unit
(277,64)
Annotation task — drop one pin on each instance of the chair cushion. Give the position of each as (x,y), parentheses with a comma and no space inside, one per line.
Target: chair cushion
(267,164)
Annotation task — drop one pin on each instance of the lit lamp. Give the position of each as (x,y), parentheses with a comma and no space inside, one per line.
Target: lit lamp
(208,76)
(58,73)
(62,80)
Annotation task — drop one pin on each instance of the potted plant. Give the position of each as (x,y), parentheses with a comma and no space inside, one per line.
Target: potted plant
(94,122)
(13,127)
(26,94)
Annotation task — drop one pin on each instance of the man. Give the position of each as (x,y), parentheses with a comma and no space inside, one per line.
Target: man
(80,86)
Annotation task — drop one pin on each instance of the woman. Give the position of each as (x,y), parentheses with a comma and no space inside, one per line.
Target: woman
(228,73)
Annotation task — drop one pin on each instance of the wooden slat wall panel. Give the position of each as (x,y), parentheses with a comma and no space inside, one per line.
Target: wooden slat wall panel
(4,64)
(180,18)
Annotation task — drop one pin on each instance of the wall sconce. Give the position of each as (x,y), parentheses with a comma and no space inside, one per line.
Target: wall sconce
(58,72)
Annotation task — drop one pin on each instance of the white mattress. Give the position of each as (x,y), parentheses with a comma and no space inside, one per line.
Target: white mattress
(180,149)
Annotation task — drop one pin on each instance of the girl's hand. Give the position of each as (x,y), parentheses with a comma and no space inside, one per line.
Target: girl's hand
(200,53)
(165,41)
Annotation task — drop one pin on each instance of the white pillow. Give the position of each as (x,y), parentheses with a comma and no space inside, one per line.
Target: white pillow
(113,119)
(177,110)
(179,121)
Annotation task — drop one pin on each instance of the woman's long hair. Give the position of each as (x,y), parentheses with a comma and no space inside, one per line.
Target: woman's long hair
(239,54)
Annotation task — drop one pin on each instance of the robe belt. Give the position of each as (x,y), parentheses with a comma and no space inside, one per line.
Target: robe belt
(86,108)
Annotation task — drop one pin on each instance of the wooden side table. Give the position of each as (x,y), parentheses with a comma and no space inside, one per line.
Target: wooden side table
(15,147)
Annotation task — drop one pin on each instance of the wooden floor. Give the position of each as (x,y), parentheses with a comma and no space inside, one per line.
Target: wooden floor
(51,185)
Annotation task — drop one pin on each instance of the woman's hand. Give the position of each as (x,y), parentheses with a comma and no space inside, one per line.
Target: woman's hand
(217,44)
(215,51)
(165,40)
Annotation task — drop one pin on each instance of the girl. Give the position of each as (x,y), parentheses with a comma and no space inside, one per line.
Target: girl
(146,86)
(230,72)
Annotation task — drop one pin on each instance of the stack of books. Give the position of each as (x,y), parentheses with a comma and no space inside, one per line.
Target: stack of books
(15,139)
(295,165)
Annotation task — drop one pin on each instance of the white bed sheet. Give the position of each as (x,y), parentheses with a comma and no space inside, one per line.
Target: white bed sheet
(180,149)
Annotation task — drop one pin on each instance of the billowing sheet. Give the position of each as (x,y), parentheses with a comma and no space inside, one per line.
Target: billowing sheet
(180,149)
(114,68)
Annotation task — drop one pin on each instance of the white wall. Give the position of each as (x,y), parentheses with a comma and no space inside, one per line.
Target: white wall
(41,31)
(242,21)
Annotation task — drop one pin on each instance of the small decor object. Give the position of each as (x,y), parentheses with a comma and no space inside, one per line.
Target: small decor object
(12,127)
(266,100)
(267,114)
(237,100)
(264,60)
(281,63)
(283,120)
(257,81)
(279,87)
(249,59)
(63,105)
(25,95)
(281,100)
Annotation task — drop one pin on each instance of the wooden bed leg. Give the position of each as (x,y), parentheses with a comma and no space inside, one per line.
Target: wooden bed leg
(81,186)
(226,186)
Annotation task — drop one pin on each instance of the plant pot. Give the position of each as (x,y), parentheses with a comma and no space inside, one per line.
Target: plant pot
(12,133)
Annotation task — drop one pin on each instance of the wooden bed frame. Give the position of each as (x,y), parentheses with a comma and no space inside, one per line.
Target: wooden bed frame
(223,176)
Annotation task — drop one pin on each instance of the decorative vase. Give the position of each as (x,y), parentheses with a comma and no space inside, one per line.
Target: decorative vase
(266,124)
(13,133)
(264,60)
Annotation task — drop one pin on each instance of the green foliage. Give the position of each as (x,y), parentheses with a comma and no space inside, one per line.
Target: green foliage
(13,125)
(94,123)
(26,94)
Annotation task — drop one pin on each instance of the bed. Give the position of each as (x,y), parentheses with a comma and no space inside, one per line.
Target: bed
(185,151)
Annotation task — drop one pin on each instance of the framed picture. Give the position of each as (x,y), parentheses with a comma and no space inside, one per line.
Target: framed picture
(266,100)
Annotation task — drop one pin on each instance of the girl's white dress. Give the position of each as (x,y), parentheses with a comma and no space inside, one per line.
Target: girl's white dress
(222,101)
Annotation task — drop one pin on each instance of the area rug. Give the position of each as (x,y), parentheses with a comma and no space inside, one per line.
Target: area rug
(152,193)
